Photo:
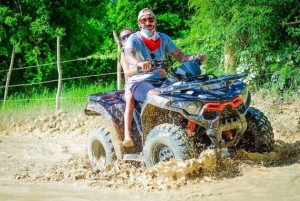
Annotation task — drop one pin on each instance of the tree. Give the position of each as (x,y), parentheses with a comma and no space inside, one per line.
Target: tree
(172,16)
(253,34)
(32,27)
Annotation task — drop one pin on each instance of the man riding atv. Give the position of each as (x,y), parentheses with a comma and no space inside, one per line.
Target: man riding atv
(178,120)
(140,48)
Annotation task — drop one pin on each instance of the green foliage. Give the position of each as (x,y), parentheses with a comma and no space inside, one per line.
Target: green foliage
(172,15)
(258,37)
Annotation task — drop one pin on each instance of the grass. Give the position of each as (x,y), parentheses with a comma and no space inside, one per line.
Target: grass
(273,93)
(19,106)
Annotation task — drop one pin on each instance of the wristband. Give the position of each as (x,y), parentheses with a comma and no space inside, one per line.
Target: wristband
(137,63)
(191,58)
(137,69)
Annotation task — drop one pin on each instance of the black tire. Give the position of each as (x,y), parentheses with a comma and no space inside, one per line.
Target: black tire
(100,149)
(259,136)
(165,142)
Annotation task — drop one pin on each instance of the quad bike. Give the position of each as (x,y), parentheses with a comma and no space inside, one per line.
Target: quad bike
(193,112)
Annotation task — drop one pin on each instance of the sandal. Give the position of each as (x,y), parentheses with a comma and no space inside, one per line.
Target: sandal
(128,143)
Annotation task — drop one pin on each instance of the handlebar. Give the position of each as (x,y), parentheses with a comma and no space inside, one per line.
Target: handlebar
(164,64)
(157,64)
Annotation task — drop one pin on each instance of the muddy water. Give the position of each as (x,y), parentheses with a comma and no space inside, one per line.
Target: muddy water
(45,159)
(258,184)
(277,183)
(35,168)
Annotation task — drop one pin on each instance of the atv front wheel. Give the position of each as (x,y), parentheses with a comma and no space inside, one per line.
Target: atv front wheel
(100,149)
(259,136)
(166,142)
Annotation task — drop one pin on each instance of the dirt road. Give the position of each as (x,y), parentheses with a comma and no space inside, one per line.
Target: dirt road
(45,159)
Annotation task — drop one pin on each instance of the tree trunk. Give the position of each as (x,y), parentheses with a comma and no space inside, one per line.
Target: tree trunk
(8,75)
(119,67)
(229,62)
(59,75)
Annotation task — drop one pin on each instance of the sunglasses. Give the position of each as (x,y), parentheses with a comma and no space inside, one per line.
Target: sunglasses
(150,19)
(122,38)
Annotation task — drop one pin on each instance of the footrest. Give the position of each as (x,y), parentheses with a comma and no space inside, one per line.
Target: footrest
(132,157)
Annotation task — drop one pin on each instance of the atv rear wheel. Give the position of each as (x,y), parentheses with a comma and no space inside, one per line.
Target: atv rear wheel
(100,149)
(166,142)
(259,136)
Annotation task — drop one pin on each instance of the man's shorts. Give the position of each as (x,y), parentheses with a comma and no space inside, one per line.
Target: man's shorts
(140,89)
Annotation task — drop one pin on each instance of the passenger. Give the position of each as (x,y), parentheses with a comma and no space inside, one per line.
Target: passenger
(127,142)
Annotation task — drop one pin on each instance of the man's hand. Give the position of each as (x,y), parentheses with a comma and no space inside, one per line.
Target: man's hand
(162,73)
(203,56)
(144,65)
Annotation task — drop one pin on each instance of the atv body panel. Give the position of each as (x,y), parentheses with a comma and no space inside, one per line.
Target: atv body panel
(221,107)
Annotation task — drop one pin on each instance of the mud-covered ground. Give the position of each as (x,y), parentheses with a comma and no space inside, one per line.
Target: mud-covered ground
(45,158)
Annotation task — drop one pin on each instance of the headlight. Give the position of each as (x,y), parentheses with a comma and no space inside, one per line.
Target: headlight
(191,107)
(244,94)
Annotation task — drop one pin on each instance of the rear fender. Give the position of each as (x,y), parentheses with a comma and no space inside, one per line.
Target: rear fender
(110,106)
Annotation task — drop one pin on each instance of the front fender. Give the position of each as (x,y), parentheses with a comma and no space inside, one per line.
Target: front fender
(153,113)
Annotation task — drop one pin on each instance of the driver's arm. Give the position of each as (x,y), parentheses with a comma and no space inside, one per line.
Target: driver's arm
(179,55)
(182,57)
(130,58)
